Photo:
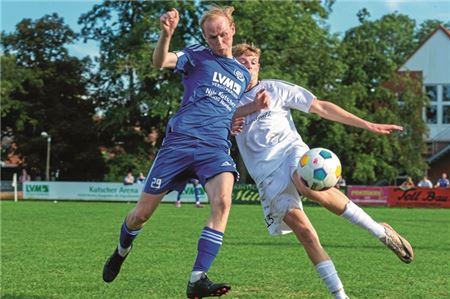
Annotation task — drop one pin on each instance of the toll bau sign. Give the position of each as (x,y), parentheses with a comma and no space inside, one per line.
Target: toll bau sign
(419,197)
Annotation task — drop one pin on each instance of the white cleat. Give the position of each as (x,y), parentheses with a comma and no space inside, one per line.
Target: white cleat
(399,245)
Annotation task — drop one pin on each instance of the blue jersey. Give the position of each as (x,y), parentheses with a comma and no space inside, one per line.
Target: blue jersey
(213,86)
(443,183)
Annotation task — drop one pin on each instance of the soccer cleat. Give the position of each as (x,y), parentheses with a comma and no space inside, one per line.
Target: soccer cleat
(112,266)
(178,204)
(399,245)
(198,205)
(206,288)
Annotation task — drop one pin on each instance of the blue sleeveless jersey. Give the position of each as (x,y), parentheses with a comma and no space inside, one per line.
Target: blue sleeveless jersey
(213,86)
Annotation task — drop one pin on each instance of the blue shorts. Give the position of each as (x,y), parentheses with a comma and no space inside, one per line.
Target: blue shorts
(183,158)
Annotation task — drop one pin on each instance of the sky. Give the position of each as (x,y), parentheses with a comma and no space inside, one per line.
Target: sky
(341,19)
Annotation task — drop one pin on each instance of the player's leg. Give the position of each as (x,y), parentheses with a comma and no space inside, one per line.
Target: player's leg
(197,193)
(338,203)
(282,209)
(170,162)
(178,201)
(297,220)
(218,189)
(131,227)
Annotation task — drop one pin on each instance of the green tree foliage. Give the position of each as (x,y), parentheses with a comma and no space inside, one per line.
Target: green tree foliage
(295,46)
(373,51)
(13,82)
(44,90)
(133,95)
(426,28)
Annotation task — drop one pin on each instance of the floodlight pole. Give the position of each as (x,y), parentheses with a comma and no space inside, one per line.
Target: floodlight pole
(47,164)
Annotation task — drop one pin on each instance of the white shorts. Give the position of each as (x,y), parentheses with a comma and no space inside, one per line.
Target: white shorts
(278,193)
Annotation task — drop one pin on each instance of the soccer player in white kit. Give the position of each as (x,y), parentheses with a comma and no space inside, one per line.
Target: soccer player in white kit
(271,149)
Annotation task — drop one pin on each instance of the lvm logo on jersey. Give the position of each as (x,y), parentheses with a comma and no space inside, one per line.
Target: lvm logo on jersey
(221,81)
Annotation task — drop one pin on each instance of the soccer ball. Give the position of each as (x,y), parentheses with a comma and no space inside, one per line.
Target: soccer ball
(319,169)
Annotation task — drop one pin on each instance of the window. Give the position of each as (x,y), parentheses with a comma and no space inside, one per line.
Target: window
(446,93)
(446,114)
(431,114)
(431,92)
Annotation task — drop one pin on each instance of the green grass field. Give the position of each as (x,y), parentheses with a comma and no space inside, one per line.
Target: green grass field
(57,250)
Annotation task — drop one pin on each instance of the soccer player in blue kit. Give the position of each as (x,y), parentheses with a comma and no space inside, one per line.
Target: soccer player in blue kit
(197,141)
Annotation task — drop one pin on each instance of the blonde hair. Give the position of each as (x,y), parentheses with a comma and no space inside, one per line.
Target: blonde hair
(246,49)
(217,11)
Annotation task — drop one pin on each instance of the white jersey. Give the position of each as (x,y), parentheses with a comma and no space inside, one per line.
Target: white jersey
(268,135)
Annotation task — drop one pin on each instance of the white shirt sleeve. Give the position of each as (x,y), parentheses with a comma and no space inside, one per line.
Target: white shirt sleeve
(296,97)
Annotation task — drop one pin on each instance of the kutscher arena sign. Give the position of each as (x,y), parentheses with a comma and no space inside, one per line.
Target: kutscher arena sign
(100,191)
(97,191)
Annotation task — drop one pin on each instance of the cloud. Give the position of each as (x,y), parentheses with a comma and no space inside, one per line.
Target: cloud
(81,50)
(392,5)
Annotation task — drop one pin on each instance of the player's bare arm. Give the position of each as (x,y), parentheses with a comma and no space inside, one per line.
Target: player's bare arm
(237,124)
(333,112)
(261,102)
(161,55)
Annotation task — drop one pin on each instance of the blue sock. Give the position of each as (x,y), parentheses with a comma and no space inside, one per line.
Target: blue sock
(197,193)
(208,246)
(127,235)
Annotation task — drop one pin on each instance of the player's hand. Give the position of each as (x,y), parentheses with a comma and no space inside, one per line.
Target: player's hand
(262,100)
(169,21)
(384,128)
(237,124)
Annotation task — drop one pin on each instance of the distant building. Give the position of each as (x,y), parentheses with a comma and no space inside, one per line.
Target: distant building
(431,61)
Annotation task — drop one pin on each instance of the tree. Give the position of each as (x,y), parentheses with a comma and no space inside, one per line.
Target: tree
(49,94)
(133,95)
(373,52)
(426,28)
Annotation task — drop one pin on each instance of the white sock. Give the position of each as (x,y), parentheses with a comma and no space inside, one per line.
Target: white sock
(330,277)
(123,251)
(196,275)
(356,215)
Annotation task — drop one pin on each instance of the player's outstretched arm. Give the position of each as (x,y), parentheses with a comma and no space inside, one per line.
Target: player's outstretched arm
(333,112)
(161,55)
(262,101)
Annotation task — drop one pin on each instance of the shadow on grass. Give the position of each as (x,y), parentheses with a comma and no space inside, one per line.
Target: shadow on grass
(280,244)
(8,296)
(443,248)
(415,247)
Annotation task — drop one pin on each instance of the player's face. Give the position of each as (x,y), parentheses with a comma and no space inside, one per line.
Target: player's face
(218,33)
(251,62)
